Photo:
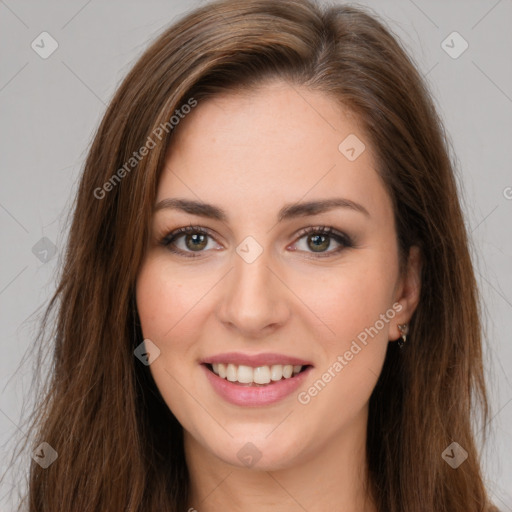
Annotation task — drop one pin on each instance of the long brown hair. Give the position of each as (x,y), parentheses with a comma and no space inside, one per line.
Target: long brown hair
(119,446)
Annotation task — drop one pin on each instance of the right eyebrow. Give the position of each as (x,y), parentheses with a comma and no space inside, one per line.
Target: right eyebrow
(193,207)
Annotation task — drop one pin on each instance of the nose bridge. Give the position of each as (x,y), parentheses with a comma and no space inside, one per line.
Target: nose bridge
(254,298)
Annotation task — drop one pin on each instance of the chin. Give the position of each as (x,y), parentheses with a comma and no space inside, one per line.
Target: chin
(259,453)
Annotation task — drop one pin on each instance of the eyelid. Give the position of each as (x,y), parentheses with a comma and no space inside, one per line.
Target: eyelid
(344,240)
(167,240)
(185,230)
(322,230)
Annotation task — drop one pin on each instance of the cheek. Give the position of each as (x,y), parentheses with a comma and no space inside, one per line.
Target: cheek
(168,305)
(168,308)
(350,300)
(357,306)
(163,298)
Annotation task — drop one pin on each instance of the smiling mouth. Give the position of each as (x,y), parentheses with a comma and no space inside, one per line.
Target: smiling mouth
(255,376)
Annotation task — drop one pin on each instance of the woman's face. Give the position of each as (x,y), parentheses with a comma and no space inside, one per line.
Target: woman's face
(258,296)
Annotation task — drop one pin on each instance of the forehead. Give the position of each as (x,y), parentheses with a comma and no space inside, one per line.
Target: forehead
(276,144)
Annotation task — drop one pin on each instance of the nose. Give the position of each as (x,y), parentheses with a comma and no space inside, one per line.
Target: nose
(254,301)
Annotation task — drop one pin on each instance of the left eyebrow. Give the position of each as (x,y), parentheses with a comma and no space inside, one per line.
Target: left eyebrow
(315,207)
(288,211)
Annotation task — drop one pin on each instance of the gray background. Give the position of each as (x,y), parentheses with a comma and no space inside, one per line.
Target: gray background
(51,107)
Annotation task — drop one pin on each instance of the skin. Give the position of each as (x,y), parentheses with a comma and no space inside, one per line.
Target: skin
(250,154)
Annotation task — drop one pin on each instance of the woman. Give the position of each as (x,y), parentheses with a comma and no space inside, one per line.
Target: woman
(268,301)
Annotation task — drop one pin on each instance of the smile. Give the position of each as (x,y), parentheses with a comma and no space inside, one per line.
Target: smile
(253,394)
(260,375)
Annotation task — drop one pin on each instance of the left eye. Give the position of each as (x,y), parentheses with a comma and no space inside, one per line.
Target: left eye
(319,239)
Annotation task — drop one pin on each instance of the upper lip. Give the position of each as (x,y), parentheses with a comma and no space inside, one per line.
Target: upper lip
(255,360)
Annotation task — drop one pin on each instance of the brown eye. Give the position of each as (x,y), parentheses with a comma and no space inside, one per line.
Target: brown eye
(196,242)
(318,243)
(319,239)
(189,241)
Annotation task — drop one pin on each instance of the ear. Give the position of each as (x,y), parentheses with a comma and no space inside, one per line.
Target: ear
(407,291)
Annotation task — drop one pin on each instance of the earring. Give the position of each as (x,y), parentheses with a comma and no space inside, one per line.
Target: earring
(404,331)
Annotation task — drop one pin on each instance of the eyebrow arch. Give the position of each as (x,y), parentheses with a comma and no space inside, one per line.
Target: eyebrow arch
(288,211)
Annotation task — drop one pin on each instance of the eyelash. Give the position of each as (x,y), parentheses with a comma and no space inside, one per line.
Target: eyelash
(341,238)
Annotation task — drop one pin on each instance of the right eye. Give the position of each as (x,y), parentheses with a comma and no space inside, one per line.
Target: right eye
(193,239)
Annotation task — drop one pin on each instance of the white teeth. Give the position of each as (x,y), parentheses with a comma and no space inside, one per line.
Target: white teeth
(262,375)
(245,374)
(287,371)
(276,372)
(231,373)
(259,375)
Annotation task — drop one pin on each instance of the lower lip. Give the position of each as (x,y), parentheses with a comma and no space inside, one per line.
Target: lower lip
(252,396)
